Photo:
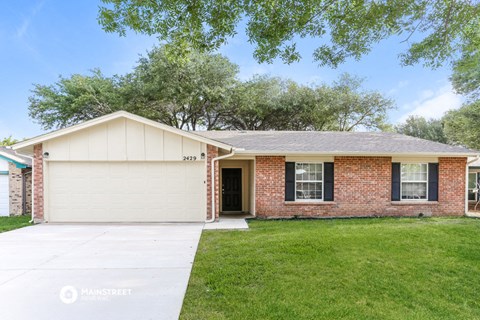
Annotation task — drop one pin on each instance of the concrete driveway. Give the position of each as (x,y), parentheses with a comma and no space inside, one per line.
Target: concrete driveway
(137,271)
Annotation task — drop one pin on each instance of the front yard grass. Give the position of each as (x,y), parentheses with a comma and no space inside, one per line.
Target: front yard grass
(10,223)
(330,269)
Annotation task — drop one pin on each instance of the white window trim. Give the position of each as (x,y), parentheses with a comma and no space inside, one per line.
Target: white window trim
(470,189)
(413,181)
(322,181)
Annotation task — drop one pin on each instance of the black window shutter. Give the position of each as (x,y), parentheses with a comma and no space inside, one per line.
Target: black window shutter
(328,181)
(433,182)
(289,181)
(395,181)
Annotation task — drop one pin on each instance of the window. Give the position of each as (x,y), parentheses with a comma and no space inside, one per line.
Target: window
(308,181)
(472,185)
(414,178)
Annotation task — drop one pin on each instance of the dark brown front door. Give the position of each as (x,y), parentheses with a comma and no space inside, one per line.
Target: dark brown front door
(231,189)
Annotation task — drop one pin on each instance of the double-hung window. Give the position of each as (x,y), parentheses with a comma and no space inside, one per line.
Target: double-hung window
(414,181)
(308,181)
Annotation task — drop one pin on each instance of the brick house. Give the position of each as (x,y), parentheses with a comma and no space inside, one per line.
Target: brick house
(125,168)
(15,183)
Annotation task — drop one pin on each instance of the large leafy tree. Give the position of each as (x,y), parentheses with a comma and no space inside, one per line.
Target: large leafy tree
(75,99)
(462,125)
(266,103)
(186,94)
(433,30)
(202,92)
(255,104)
(355,108)
(420,127)
(466,70)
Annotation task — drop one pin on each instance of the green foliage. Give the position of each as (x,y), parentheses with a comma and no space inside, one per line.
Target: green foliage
(345,29)
(338,269)
(462,125)
(266,103)
(8,141)
(466,71)
(354,108)
(202,92)
(189,93)
(75,99)
(420,127)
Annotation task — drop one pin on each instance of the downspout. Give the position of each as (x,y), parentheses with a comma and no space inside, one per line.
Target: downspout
(212,182)
(466,182)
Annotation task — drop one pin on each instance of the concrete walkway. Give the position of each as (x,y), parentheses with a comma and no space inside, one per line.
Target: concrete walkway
(138,271)
(473,214)
(226,222)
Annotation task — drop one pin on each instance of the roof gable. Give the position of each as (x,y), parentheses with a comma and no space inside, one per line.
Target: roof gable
(28,144)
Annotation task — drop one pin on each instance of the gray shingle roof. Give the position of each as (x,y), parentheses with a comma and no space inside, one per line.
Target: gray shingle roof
(331,142)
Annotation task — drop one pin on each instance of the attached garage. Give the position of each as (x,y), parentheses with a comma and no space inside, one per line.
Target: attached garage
(126,191)
(122,168)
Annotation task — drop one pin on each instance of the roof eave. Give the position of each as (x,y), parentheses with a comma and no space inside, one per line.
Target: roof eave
(19,162)
(350,153)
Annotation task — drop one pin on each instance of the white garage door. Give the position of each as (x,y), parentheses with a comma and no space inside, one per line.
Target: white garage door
(126,191)
(4,195)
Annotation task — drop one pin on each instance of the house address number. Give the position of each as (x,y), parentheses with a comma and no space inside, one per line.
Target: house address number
(189,158)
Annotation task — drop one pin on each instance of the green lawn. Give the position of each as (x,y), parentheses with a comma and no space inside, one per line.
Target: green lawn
(10,223)
(329,269)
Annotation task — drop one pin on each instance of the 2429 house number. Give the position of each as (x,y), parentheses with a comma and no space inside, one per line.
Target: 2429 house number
(189,158)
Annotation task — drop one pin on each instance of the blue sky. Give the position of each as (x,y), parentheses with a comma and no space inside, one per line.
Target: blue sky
(42,39)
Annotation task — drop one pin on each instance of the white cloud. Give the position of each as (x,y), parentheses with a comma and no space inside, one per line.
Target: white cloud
(22,30)
(401,84)
(432,104)
(247,72)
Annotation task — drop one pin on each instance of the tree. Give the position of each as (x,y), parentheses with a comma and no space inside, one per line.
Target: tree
(8,141)
(348,29)
(462,125)
(266,103)
(75,99)
(186,94)
(466,70)
(202,92)
(420,127)
(255,103)
(356,108)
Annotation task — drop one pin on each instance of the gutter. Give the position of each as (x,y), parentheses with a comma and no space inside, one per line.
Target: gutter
(354,154)
(466,182)
(212,182)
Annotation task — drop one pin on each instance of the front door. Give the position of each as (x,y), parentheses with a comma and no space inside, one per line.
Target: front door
(231,189)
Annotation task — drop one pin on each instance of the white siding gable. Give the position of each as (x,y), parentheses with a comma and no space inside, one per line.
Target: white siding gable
(123,140)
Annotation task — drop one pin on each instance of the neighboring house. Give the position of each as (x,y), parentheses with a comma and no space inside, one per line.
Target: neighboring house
(125,168)
(15,183)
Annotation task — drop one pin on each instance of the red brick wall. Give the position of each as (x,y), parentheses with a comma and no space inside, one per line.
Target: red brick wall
(38,182)
(362,185)
(451,185)
(362,188)
(212,152)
